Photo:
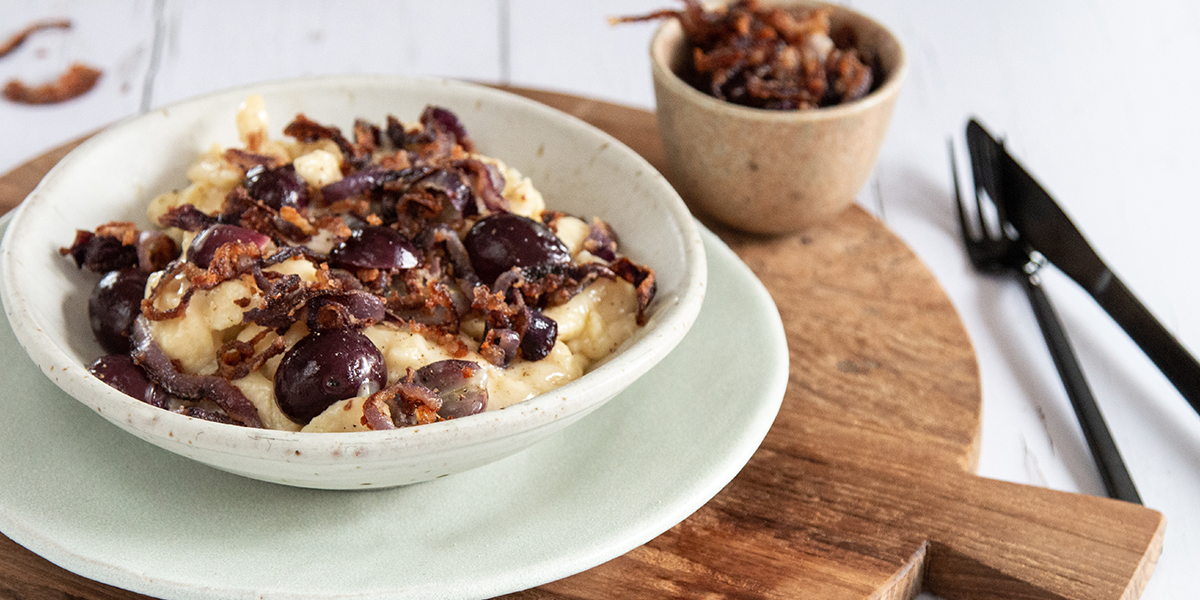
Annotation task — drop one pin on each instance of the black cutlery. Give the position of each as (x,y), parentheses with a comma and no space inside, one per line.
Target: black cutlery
(1046,229)
(1000,249)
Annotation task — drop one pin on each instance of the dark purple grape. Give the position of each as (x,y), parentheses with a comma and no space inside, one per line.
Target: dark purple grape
(120,372)
(440,118)
(502,241)
(102,253)
(450,184)
(540,334)
(375,247)
(325,367)
(205,245)
(278,187)
(155,250)
(115,302)
(356,183)
(461,384)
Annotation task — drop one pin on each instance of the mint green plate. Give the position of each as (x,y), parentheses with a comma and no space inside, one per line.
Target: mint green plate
(97,501)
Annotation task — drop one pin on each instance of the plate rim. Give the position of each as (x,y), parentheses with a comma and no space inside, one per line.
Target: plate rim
(110,573)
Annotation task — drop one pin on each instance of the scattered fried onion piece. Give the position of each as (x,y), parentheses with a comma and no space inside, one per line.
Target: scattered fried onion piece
(19,37)
(76,81)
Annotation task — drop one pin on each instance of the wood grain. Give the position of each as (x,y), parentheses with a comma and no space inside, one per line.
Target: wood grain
(19,182)
(864,488)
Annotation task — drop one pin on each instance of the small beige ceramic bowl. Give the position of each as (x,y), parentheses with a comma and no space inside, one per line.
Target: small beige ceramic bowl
(771,171)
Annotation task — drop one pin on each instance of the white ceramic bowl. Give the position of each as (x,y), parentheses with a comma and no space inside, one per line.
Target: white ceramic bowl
(579,169)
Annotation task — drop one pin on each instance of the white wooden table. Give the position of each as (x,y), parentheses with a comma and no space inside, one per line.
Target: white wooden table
(1096,98)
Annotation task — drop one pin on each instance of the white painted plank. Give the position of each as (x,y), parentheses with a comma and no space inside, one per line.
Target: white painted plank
(571,47)
(225,43)
(111,36)
(1096,99)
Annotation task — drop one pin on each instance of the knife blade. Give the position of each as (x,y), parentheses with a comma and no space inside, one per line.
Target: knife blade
(1042,223)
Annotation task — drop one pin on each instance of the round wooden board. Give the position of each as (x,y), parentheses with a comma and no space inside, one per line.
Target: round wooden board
(864,488)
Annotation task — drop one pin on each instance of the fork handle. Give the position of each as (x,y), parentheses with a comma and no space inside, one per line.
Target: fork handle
(1116,477)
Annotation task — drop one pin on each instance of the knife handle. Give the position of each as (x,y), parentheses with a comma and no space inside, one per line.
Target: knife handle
(1180,367)
(1113,473)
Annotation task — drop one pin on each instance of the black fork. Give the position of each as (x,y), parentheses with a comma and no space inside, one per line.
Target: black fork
(998,249)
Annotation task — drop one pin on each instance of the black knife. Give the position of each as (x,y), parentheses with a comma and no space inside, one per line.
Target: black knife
(1048,230)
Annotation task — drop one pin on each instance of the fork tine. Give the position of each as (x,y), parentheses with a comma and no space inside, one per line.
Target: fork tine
(958,199)
(980,215)
(984,166)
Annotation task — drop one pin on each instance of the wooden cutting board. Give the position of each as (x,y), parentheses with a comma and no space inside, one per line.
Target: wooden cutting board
(865,486)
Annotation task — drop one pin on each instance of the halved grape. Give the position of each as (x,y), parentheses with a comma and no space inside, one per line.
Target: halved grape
(114,304)
(325,367)
(375,247)
(278,187)
(120,372)
(502,241)
(205,245)
(461,384)
(358,182)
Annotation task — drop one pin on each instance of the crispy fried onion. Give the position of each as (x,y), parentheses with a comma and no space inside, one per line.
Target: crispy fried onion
(402,404)
(431,191)
(147,353)
(447,190)
(242,209)
(237,359)
(545,287)
(286,297)
(440,134)
(507,306)
(187,217)
(642,278)
(440,305)
(775,58)
(500,345)
(246,160)
(356,154)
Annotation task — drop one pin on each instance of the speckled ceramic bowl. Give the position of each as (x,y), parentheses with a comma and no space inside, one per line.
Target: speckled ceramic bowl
(579,169)
(771,171)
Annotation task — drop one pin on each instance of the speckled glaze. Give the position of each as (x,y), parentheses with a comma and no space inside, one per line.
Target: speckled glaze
(768,171)
(579,169)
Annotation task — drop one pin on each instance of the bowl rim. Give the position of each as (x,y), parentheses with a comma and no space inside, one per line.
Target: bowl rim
(670,34)
(669,323)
